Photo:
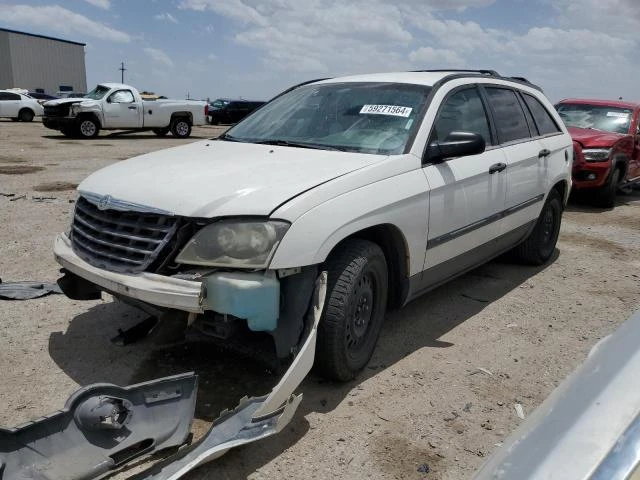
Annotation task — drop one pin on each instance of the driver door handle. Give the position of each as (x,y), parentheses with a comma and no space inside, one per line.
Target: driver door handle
(133,107)
(544,153)
(497,167)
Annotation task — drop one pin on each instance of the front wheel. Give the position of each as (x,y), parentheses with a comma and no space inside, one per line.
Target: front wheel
(88,128)
(541,242)
(161,132)
(606,197)
(354,309)
(181,128)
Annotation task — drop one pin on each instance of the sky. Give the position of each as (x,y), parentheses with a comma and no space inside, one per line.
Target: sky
(256,48)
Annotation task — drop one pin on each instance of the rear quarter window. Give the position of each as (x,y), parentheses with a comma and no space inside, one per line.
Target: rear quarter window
(544,121)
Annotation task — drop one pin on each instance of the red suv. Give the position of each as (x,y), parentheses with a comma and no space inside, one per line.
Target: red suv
(606,139)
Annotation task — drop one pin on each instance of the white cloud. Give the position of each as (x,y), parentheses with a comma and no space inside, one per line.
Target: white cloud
(235,9)
(167,17)
(104,4)
(212,56)
(60,20)
(428,57)
(159,56)
(573,50)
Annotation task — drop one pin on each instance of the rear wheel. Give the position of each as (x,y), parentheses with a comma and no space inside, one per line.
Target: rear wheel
(26,115)
(181,127)
(606,197)
(541,242)
(161,132)
(354,309)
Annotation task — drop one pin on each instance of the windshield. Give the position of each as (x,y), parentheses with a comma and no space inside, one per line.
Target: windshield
(377,118)
(599,117)
(97,93)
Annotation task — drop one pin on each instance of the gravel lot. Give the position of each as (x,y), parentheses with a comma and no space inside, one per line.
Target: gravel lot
(422,400)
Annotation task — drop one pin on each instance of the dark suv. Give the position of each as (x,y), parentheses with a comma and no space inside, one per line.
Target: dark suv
(224,110)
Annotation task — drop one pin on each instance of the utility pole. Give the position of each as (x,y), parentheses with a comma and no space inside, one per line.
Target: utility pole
(122,69)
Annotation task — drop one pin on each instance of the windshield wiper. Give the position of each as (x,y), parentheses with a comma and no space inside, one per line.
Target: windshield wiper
(230,138)
(287,143)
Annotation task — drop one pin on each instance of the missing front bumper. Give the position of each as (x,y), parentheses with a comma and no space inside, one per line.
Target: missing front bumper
(104,427)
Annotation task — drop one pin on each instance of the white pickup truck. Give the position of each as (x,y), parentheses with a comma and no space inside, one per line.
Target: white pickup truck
(115,106)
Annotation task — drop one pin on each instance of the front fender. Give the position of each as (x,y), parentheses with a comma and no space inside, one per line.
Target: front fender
(401,201)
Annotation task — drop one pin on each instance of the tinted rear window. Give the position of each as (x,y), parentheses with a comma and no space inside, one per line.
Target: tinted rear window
(508,115)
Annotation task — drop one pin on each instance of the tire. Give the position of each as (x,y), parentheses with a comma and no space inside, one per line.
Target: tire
(87,128)
(606,197)
(161,132)
(541,242)
(26,115)
(181,127)
(354,310)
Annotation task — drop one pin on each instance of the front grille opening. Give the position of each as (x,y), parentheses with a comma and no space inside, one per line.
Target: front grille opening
(126,242)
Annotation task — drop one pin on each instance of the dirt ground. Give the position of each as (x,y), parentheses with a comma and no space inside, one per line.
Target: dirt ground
(422,400)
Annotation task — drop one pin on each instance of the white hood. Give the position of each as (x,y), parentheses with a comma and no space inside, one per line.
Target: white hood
(61,101)
(215,178)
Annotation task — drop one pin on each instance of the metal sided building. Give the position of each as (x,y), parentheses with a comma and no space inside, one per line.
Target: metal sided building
(40,63)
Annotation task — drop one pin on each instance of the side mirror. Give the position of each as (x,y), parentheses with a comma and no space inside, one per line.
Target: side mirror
(457,144)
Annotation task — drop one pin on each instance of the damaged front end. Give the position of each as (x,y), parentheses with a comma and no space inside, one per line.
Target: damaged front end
(214,273)
(104,427)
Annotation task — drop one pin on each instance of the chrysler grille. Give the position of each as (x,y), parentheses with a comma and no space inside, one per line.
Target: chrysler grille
(119,241)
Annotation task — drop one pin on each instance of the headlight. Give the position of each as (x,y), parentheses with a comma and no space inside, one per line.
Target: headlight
(233,243)
(73,111)
(596,154)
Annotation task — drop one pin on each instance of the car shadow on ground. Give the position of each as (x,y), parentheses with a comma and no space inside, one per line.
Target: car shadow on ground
(584,202)
(85,353)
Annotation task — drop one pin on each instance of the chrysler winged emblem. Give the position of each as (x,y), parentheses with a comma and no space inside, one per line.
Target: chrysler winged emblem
(104,202)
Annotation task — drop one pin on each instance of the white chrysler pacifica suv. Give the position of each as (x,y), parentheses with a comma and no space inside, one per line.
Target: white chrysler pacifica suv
(393,183)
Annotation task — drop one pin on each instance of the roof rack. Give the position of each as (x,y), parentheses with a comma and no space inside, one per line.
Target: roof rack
(461,73)
(493,73)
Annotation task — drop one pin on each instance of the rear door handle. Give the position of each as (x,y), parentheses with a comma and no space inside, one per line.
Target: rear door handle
(497,167)
(544,153)
(133,107)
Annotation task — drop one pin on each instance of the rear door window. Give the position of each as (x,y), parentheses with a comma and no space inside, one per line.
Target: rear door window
(544,121)
(509,117)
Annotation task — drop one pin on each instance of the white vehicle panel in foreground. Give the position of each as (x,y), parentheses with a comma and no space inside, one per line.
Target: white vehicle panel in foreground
(588,428)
